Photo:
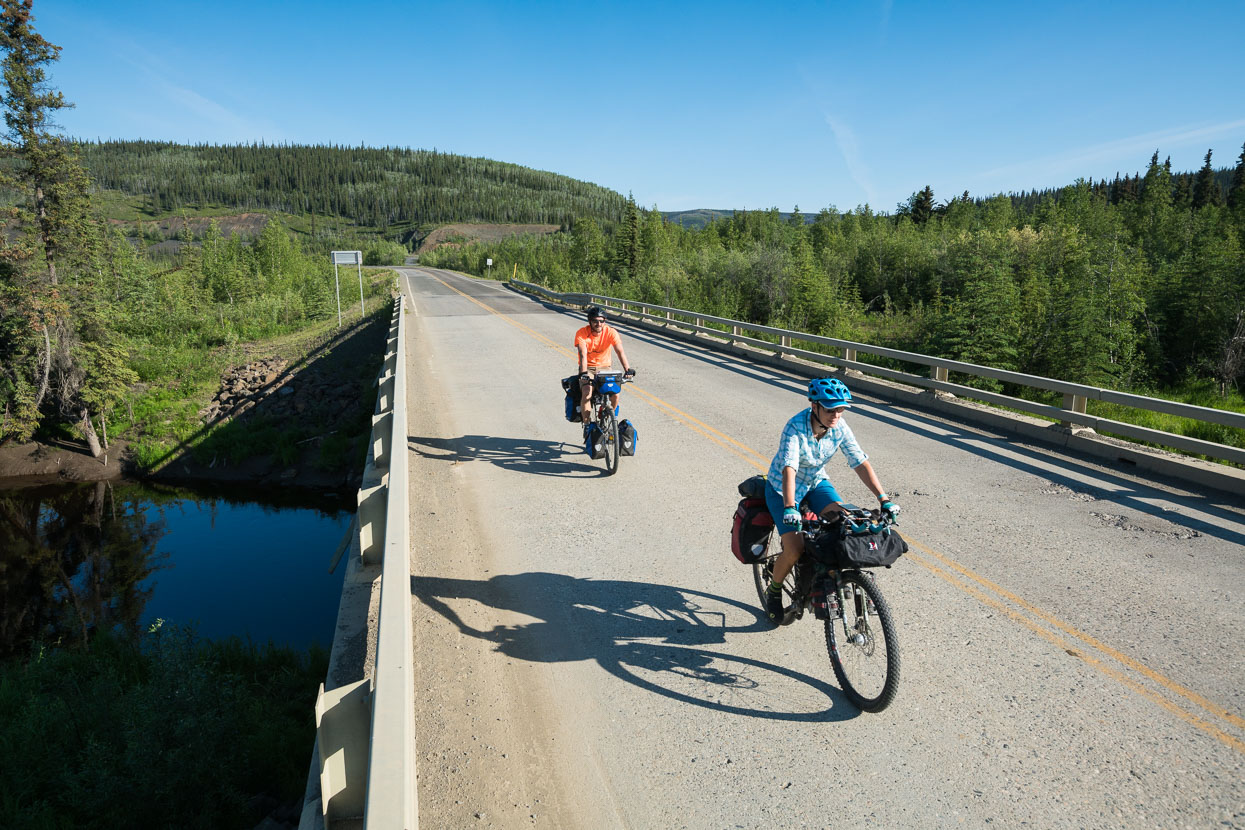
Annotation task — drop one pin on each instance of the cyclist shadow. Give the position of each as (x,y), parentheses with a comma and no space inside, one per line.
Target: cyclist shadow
(525,455)
(656,637)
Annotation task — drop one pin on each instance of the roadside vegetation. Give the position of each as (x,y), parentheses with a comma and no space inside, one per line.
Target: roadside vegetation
(113,326)
(1136,285)
(158,730)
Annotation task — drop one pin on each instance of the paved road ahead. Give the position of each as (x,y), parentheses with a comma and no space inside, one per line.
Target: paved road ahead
(589,654)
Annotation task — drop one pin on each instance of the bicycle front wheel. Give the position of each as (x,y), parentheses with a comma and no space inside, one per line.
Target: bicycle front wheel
(609,440)
(864,649)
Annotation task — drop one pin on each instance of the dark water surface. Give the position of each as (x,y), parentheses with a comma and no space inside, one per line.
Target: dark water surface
(74,558)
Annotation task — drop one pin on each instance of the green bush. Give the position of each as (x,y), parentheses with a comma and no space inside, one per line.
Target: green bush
(163,730)
(384,253)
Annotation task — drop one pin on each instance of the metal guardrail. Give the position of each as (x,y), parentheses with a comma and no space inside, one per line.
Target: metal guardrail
(1075,395)
(365,732)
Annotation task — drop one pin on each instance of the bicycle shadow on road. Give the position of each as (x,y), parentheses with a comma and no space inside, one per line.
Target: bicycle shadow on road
(524,455)
(653,636)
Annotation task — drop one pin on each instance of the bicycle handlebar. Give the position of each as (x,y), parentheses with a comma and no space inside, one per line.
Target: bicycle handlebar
(859,521)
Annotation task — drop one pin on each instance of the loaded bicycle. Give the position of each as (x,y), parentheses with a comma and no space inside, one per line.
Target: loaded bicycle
(831,579)
(604,435)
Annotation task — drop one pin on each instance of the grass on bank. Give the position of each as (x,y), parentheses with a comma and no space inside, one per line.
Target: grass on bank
(163,730)
(164,419)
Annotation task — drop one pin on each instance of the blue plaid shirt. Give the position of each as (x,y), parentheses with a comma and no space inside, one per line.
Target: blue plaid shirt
(798,449)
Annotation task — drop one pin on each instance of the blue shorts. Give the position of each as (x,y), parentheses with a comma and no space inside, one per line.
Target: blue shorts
(817,499)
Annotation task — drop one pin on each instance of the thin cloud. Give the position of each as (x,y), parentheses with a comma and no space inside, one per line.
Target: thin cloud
(850,148)
(224,122)
(185,106)
(1134,146)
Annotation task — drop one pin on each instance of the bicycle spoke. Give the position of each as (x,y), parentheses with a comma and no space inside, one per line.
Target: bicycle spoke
(862,644)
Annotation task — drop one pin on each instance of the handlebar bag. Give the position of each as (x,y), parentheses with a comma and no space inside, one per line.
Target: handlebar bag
(835,547)
(750,530)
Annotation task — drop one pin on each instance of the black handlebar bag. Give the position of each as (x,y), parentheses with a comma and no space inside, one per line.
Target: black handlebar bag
(837,547)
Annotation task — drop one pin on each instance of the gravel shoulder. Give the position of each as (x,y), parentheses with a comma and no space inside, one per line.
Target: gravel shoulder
(492,749)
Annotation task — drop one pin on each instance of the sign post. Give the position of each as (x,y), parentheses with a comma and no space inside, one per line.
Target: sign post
(347,258)
(490,267)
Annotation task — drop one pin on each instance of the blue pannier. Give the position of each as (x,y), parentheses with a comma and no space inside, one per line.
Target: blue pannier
(628,436)
(571,387)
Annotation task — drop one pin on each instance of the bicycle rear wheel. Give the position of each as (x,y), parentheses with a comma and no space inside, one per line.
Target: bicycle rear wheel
(761,572)
(609,440)
(863,646)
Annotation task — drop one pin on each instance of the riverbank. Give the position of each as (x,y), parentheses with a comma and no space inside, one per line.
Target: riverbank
(294,413)
(37,463)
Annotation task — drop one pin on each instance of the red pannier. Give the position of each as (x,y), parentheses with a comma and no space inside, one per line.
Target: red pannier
(751,531)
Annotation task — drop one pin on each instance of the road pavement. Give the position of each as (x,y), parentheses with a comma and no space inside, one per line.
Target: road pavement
(589,654)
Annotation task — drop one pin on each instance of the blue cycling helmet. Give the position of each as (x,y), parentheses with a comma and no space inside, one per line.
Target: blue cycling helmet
(829,392)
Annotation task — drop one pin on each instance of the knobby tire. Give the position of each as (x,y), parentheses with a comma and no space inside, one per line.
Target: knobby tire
(868,672)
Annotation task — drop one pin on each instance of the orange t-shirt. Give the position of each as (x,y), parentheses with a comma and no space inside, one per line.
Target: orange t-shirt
(599,345)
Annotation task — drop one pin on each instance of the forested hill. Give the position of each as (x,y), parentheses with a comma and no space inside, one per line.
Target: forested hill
(380,188)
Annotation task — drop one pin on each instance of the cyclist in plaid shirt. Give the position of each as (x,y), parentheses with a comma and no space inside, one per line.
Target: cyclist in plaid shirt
(796,475)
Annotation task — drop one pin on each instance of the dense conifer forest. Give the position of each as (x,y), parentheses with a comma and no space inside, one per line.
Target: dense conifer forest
(383,189)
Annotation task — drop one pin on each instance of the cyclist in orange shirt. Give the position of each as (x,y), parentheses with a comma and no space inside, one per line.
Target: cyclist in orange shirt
(592,344)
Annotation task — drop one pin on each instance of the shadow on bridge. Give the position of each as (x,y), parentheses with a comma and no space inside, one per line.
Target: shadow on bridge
(524,455)
(653,636)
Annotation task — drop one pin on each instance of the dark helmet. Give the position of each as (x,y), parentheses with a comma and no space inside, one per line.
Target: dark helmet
(595,313)
(829,392)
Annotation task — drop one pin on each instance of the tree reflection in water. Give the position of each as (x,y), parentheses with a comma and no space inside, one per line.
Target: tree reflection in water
(73,560)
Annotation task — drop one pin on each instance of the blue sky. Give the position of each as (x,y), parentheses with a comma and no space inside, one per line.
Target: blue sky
(684,105)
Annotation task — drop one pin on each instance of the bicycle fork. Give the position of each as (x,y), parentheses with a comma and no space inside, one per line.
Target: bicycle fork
(861,604)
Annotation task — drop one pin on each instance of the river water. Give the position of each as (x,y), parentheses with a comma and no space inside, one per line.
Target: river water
(74,558)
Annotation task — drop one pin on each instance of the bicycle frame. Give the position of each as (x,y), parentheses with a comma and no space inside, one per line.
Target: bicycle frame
(604,385)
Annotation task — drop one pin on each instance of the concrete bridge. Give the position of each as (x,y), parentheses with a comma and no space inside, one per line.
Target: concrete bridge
(559,648)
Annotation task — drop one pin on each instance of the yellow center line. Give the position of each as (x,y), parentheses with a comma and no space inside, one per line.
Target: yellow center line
(1207,727)
(761,462)
(1171,685)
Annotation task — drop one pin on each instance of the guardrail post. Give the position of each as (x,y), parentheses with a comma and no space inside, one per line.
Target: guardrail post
(372,522)
(668,317)
(938,373)
(1073,403)
(382,438)
(849,354)
(384,397)
(784,342)
(343,719)
(736,331)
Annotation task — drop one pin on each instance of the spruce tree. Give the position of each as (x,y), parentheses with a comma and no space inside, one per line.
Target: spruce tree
(1236,193)
(1205,188)
(922,206)
(52,213)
